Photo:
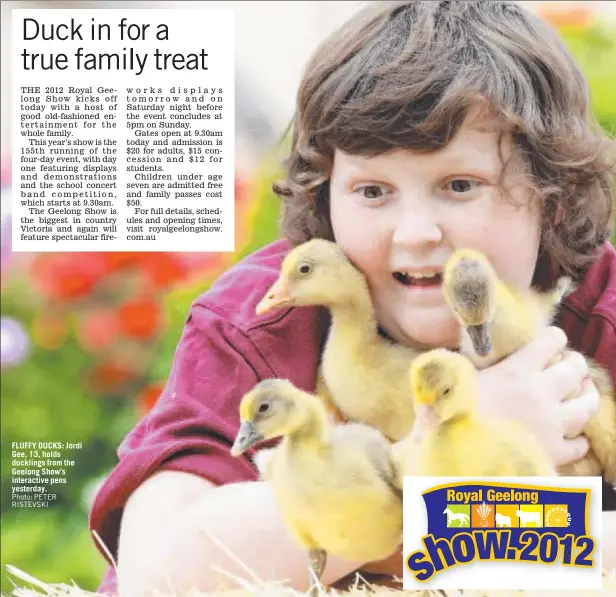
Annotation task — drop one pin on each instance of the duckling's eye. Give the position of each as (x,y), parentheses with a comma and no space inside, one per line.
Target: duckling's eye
(305,269)
(446,391)
(263,407)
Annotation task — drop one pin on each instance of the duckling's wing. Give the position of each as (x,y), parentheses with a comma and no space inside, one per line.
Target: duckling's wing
(382,459)
(378,450)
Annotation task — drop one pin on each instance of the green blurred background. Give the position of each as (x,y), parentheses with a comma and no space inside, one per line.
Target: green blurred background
(102,330)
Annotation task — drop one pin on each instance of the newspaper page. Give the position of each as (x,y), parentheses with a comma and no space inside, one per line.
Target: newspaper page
(307,298)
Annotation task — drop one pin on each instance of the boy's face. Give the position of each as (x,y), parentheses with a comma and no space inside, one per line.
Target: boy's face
(404,213)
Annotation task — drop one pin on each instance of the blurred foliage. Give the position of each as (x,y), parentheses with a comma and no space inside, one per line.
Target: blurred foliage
(96,366)
(595,51)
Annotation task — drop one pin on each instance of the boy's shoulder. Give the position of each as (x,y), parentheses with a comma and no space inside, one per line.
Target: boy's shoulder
(235,294)
(596,294)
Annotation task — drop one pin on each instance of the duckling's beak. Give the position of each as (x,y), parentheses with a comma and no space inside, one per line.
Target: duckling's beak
(246,437)
(277,296)
(480,337)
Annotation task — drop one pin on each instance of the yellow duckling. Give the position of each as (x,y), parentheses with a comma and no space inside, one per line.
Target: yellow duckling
(497,319)
(461,442)
(363,374)
(335,485)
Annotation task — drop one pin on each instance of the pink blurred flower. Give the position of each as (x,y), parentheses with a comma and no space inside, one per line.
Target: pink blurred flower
(97,330)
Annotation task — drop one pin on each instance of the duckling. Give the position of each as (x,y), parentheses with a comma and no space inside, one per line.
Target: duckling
(364,374)
(335,484)
(461,442)
(497,319)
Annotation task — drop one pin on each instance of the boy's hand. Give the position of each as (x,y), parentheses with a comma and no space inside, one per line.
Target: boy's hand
(526,387)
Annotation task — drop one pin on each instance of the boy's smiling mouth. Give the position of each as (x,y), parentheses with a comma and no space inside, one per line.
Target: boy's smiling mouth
(427,279)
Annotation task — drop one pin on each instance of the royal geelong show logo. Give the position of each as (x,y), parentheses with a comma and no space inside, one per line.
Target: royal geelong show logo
(502,533)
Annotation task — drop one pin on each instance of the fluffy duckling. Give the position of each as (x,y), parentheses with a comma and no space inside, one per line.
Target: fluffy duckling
(364,374)
(335,485)
(461,442)
(497,319)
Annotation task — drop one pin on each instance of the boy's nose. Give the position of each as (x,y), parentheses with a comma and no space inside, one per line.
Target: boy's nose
(417,226)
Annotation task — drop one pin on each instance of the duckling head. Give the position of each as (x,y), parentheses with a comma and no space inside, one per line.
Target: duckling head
(444,383)
(314,273)
(469,283)
(274,407)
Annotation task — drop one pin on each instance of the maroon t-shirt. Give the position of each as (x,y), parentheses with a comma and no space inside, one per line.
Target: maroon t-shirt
(225,349)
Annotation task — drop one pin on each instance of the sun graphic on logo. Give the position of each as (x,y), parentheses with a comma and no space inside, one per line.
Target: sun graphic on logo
(558,517)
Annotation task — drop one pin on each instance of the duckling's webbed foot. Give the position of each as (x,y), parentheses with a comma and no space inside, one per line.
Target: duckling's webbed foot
(317,559)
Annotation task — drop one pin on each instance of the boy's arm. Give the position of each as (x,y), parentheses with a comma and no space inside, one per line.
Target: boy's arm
(166,540)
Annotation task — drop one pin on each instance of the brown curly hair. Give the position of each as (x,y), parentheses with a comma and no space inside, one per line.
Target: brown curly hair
(405,74)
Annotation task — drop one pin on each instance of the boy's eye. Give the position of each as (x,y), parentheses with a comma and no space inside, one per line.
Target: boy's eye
(371,191)
(462,185)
